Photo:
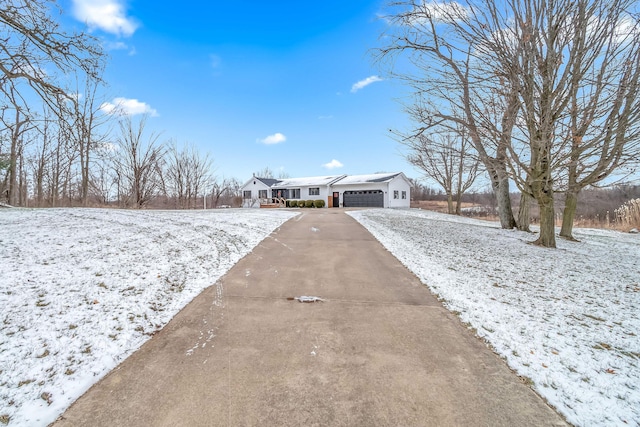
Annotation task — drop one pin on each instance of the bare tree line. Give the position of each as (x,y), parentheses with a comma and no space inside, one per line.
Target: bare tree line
(546,91)
(595,205)
(58,163)
(58,147)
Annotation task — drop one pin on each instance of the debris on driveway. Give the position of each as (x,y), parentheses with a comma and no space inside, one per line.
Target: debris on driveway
(307,299)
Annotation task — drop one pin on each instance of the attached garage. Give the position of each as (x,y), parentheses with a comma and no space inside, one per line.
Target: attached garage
(379,190)
(363,199)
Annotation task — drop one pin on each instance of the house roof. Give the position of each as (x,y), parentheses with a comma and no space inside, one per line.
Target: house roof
(268,181)
(318,181)
(306,182)
(365,179)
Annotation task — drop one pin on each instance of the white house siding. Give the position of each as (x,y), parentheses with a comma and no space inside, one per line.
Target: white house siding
(254,185)
(399,184)
(362,187)
(388,183)
(304,192)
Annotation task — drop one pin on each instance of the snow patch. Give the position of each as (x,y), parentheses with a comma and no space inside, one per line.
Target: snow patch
(566,318)
(82,289)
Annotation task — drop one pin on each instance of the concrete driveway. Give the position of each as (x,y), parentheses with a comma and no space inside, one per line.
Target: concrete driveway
(378,351)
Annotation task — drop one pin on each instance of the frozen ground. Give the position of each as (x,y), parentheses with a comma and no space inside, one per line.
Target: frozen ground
(566,319)
(81,289)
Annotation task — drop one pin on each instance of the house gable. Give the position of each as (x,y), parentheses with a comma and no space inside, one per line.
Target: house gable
(255,189)
(382,189)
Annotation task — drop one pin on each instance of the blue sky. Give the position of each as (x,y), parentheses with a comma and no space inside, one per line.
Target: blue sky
(279,84)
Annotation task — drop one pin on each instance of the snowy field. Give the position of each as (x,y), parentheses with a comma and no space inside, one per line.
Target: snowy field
(566,319)
(81,289)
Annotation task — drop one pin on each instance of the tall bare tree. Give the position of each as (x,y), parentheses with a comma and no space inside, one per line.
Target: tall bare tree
(575,65)
(446,158)
(137,163)
(188,174)
(602,125)
(451,82)
(17,120)
(85,124)
(569,69)
(41,156)
(223,188)
(32,41)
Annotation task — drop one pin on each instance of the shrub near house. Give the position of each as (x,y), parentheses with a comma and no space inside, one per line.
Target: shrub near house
(305,204)
(383,190)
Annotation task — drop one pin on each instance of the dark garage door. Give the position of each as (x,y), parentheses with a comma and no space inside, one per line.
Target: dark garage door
(363,199)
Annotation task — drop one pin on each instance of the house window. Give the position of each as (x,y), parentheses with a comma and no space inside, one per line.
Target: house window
(246,194)
(314,191)
(396,194)
(262,194)
(295,193)
(404,195)
(280,193)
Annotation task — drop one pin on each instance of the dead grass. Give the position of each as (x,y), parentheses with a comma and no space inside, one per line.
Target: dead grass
(579,222)
(437,205)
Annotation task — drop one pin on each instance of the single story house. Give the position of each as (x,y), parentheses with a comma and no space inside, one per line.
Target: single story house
(382,190)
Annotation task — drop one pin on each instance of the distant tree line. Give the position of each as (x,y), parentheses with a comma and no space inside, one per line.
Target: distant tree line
(537,93)
(595,207)
(60,147)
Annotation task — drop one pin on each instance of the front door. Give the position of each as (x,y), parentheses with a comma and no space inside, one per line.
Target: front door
(336,199)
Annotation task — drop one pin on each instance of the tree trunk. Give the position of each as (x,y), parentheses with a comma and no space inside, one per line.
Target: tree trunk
(524,216)
(13,177)
(569,213)
(84,167)
(13,169)
(543,193)
(450,204)
(22,185)
(500,184)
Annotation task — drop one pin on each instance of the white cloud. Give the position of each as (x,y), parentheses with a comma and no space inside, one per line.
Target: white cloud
(437,11)
(108,45)
(127,107)
(333,164)
(276,138)
(329,117)
(107,15)
(363,83)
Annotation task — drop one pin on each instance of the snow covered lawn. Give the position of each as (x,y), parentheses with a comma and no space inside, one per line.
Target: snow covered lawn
(567,319)
(81,289)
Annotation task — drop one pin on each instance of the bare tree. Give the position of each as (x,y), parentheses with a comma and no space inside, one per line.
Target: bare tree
(224,189)
(83,120)
(569,73)
(137,163)
(188,173)
(602,125)
(577,84)
(265,173)
(60,168)
(445,157)
(33,42)
(233,194)
(41,156)
(451,84)
(17,120)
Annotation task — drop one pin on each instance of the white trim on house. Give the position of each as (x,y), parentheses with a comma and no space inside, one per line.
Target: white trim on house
(308,188)
(387,185)
(254,189)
